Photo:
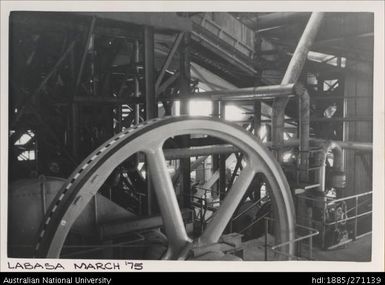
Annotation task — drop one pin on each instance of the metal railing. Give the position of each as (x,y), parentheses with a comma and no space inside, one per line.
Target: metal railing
(329,202)
(299,241)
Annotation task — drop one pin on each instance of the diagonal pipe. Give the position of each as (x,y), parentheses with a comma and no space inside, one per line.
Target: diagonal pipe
(292,75)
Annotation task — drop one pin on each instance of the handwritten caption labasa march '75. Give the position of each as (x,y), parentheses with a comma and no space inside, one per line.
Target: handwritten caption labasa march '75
(80,266)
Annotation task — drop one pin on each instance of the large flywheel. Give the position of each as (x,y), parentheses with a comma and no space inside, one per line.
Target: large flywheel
(149,138)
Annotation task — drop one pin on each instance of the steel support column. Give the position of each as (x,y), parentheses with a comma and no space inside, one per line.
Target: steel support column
(75,121)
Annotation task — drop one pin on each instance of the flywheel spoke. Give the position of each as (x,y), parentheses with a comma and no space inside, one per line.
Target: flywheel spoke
(222,216)
(168,204)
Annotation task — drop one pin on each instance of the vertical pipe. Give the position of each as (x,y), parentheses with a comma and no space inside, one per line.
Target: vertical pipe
(304,134)
(215,157)
(256,126)
(136,109)
(151,104)
(356,219)
(257,117)
(222,159)
(338,161)
(185,78)
(322,173)
(292,75)
(323,245)
(137,86)
(266,233)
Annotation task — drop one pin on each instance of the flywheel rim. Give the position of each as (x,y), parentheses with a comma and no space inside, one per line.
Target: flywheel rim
(149,137)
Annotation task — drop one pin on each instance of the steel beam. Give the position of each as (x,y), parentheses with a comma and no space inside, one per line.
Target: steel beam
(75,121)
(169,58)
(161,20)
(42,85)
(88,100)
(167,83)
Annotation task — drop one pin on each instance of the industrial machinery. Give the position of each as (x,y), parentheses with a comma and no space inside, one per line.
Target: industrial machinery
(107,160)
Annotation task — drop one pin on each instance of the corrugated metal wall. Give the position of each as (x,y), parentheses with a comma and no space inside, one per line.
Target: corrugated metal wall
(358,165)
(234,27)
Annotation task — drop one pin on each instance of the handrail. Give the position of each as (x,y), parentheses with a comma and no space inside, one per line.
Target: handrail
(313,232)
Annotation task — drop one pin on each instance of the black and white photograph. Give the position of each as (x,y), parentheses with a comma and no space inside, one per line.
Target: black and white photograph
(192,134)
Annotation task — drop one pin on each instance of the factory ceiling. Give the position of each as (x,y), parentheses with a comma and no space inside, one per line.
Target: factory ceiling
(242,49)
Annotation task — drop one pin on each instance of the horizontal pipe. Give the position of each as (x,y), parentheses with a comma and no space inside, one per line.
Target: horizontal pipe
(326,120)
(346,119)
(177,153)
(280,18)
(124,226)
(245,94)
(360,146)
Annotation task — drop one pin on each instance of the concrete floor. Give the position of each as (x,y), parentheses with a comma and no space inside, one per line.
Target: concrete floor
(359,251)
